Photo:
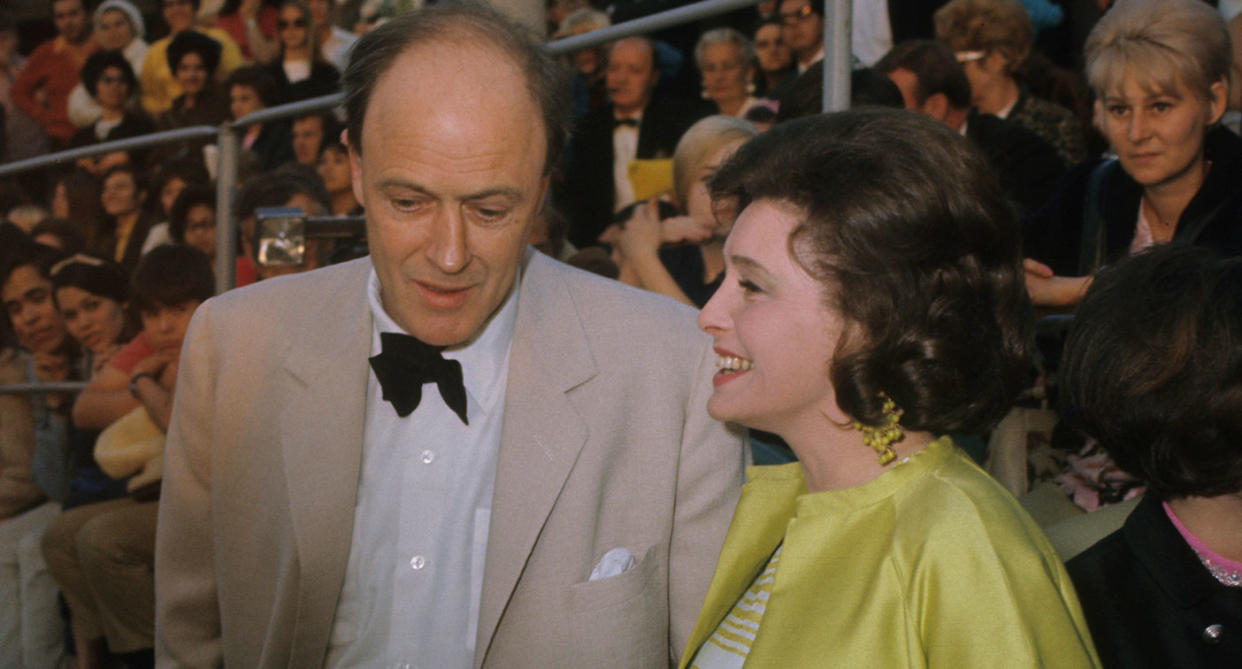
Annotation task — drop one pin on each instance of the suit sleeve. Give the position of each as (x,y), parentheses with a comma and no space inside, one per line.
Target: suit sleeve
(713,457)
(187,617)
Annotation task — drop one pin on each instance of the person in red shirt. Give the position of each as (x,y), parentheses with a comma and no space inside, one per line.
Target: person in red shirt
(42,89)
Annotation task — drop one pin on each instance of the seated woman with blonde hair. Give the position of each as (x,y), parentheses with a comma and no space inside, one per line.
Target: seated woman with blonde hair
(682,255)
(873,303)
(1159,70)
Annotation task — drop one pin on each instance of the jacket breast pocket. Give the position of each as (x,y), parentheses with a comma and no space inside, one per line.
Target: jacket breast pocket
(622,620)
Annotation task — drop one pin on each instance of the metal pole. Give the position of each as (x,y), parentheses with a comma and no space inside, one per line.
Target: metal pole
(229,141)
(837,54)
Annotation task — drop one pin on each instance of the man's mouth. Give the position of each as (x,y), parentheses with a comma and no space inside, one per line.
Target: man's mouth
(444,297)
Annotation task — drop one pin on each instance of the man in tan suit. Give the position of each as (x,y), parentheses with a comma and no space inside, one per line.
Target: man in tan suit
(559,502)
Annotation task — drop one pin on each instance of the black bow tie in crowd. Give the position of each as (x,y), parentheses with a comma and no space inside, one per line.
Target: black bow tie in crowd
(630,122)
(406,364)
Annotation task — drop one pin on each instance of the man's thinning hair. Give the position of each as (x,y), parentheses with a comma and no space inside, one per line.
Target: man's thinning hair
(449,25)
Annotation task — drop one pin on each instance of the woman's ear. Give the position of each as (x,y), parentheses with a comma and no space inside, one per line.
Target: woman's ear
(1218,101)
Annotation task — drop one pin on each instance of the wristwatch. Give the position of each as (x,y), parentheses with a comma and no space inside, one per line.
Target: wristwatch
(133,382)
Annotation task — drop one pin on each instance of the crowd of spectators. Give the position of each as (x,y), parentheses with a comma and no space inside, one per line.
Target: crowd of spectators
(103,261)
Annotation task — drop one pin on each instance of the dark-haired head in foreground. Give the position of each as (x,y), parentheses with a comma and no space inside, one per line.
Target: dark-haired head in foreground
(1153,369)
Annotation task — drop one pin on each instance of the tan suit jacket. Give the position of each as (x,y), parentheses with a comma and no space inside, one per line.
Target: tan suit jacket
(605,443)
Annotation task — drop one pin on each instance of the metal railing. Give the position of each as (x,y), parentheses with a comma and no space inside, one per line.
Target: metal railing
(836,94)
(42,387)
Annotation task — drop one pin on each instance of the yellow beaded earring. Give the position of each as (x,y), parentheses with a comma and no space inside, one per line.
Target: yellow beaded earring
(880,438)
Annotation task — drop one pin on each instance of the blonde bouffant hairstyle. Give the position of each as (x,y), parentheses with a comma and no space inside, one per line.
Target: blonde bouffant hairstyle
(1160,42)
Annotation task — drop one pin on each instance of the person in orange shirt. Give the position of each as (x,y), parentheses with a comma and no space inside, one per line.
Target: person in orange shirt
(42,89)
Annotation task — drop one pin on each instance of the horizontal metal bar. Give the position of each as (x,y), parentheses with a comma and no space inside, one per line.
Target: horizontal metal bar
(299,108)
(127,144)
(646,24)
(31,388)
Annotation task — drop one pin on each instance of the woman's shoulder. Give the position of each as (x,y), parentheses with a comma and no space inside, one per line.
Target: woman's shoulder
(956,507)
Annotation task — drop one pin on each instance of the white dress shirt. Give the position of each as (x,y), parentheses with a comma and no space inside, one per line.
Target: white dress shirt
(415,573)
(624,151)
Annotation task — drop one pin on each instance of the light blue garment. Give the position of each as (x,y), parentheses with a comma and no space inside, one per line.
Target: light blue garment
(1044,14)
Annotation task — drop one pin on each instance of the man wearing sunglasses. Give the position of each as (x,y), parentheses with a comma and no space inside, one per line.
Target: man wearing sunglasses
(802,27)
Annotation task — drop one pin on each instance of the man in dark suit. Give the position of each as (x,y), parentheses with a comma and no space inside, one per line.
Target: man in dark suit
(933,83)
(634,125)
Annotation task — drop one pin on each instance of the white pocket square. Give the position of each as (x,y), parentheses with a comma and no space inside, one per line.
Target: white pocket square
(614,562)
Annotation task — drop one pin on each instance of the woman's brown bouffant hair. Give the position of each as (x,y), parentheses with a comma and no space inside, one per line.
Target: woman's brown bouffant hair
(911,236)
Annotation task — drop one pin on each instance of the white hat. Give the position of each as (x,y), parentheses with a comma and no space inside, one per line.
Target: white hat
(135,17)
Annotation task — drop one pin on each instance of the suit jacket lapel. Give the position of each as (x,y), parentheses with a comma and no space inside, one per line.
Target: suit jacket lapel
(542,433)
(321,432)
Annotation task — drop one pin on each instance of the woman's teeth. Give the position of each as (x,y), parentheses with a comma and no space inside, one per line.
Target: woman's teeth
(729,363)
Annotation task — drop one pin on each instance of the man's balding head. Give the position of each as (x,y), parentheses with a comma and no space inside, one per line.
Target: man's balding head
(547,80)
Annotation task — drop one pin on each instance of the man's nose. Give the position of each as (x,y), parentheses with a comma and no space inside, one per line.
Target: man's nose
(447,249)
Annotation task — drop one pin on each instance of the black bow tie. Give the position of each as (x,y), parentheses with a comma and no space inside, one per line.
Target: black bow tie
(406,364)
(630,122)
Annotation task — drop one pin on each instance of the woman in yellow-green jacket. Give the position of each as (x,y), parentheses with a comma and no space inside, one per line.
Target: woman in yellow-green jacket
(873,299)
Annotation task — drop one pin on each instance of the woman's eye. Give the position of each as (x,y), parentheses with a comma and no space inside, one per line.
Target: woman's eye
(1117,110)
(748,286)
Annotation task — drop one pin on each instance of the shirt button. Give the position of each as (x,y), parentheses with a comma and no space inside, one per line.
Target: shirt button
(429,457)
(1212,633)
(418,562)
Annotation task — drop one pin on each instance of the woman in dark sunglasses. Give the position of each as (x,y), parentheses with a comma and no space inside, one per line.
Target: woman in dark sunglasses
(301,71)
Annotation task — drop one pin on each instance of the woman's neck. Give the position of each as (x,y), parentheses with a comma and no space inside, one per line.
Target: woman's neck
(1166,201)
(126,221)
(112,114)
(1214,520)
(298,54)
(343,202)
(732,107)
(834,457)
(998,98)
(775,77)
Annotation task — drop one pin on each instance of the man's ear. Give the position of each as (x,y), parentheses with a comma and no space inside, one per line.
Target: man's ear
(936,106)
(355,167)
